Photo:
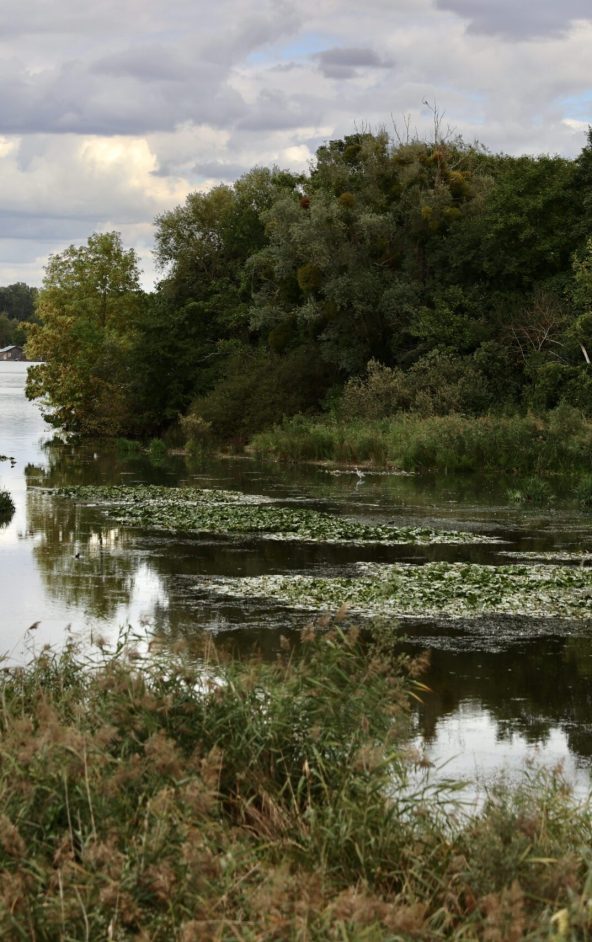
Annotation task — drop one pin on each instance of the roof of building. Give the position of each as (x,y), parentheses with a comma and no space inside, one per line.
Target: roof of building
(13,346)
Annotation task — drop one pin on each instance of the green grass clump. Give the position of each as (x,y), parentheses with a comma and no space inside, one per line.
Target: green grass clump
(157,450)
(533,490)
(6,504)
(128,446)
(167,798)
(584,491)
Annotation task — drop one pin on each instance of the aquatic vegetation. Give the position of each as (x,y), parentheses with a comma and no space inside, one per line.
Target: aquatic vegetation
(231,512)
(533,490)
(157,450)
(6,504)
(450,589)
(159,796)
(582,558)
(154,494)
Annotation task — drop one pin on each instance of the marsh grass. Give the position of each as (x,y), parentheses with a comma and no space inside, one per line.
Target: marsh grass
(526,444)
(161,797)
(532,490)
(583,491)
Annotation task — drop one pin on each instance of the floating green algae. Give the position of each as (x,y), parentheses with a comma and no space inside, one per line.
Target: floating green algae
(231,512)
(581,557)
(449,589)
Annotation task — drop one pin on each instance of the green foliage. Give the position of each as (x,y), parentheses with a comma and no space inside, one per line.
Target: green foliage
(11,332)
(584,491)
(157,450)
(258,388)
(526,444)
(438,384)
(466,274)
(88,314)
(533,490)
(18,301)
(6,505)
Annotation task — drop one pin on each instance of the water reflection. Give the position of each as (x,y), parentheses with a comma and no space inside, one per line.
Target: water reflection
(530,688)
(500,690)
(83,562)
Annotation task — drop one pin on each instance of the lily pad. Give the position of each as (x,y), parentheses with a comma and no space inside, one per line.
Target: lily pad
(449,589)
(231,512)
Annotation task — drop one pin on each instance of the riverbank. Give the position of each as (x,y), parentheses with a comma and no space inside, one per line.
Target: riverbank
(154,796)
(560,441)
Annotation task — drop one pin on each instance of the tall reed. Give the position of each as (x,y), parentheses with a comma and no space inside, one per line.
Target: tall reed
(160,796)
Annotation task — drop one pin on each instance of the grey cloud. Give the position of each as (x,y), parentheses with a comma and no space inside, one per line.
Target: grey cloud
(219,170)
(73,98)
(343,63)
(145,63)
(256,31)
(274,111)
(519,20)
(44,228)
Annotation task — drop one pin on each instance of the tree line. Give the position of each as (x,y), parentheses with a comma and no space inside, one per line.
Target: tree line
(392,276)
(17,306)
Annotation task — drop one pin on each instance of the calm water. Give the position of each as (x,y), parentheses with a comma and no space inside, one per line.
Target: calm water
(503,690)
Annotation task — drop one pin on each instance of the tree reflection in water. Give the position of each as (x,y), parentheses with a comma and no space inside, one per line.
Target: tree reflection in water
(81,558)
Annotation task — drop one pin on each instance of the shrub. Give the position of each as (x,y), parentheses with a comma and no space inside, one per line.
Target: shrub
(6,504)
(438,384)
(157,450)
(532,490)
(259,388)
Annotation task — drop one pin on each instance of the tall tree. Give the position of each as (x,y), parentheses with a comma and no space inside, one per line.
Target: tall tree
(88,311)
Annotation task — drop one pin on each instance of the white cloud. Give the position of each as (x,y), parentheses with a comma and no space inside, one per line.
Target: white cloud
(112,112)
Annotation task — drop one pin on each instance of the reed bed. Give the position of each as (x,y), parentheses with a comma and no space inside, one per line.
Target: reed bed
(161,796)
(526,444)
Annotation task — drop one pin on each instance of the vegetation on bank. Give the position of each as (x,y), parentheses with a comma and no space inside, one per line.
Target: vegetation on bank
(559,441)
(164,797)
(394,277)
(17,307)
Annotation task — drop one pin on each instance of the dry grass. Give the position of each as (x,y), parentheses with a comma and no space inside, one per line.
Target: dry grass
(166,798)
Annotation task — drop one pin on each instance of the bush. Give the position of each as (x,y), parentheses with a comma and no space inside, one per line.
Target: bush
(6,504)
(259,388)
(533,490)
(157,450)
(438,384)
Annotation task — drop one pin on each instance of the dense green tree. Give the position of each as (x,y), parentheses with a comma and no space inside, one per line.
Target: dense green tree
(18,301)
(11,331)
(89,312)
(451,267)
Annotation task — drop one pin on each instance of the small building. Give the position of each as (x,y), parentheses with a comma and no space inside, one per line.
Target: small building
(12,353)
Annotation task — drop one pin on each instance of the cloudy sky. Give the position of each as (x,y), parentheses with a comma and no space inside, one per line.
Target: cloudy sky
(111,112)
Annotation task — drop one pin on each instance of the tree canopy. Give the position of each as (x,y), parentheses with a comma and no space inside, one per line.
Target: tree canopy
(436,259)
(88,312)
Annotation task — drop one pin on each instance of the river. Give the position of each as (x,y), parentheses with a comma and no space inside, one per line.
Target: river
(504,690)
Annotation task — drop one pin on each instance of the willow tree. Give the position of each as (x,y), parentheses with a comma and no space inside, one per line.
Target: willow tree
(88,313)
